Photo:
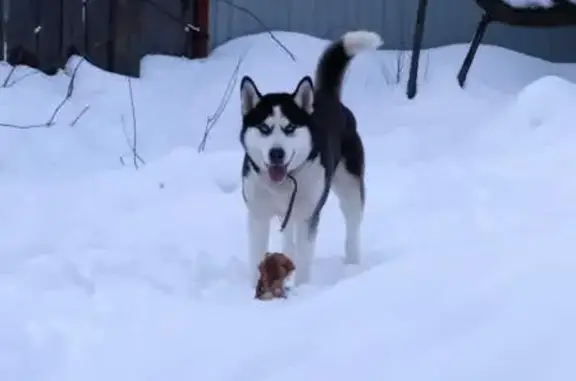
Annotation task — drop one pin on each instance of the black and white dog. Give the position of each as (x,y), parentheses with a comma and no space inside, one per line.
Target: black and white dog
(298,146)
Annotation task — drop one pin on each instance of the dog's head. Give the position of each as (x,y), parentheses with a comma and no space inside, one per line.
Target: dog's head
(276,131)
(274,269)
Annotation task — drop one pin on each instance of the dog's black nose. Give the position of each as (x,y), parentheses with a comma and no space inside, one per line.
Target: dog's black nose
(277,155)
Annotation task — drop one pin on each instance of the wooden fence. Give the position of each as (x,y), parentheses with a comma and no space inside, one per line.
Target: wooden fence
(112,34)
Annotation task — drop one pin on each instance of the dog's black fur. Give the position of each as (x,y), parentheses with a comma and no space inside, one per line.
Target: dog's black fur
(332,125)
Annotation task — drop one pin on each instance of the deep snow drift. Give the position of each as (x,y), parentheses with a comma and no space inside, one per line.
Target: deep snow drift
(108,273)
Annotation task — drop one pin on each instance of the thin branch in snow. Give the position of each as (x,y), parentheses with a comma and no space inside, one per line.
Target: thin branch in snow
(262,24)
(136,158)
(24,127)
(69,93)
(75,121)
(30,74)
(187,26)
(213,119)
(9,76)
(51,120)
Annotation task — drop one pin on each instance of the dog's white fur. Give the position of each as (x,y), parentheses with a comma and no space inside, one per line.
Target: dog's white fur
(360,40)
(266,199)
(271,200)
(297,146)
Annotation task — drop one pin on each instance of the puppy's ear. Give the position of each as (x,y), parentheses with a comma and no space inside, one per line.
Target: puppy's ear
(303,95)
(249,95)
(287,265)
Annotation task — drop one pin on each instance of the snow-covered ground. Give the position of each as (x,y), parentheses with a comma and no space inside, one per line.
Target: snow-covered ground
(469,265)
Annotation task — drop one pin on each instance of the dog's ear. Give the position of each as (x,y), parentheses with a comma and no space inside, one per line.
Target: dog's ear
(249,95)
(304,94)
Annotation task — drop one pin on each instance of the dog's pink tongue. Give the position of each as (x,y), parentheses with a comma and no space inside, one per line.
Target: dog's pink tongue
(277,172)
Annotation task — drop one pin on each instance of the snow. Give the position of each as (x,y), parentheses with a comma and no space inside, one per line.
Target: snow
(112,273)
(533,3)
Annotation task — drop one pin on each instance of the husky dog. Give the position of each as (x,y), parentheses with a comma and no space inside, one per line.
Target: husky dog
(297,147)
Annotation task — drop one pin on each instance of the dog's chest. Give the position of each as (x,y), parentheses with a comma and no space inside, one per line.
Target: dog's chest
(273,199)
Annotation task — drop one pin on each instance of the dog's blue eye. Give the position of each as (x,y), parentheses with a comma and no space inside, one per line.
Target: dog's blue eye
(264,129)
(289,129)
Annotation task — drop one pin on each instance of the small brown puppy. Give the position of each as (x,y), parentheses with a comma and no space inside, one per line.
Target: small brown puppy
(274,269)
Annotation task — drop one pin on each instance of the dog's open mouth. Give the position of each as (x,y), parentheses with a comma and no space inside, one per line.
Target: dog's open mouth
(277,172)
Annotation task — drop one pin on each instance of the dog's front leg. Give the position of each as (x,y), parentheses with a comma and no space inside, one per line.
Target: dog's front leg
(305,246)
(288,247)
(258,239)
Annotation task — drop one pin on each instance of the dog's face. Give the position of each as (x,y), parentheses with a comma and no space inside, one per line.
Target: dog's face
(274,269)
(276,131)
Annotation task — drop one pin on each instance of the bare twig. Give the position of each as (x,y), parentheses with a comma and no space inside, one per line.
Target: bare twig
(400,63)
(30,74)
(24,127)
(134,125)
(50,122)
(259,21)
(9,76)
(128,142)
(393,74)
(136,158)
(75,121)
(69,93)
(213,119)
(187,26)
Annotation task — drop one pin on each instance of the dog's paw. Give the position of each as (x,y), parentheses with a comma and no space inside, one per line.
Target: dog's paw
(279,292)
(266,296)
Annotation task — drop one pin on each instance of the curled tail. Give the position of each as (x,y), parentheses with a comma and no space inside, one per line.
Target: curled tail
(336,57)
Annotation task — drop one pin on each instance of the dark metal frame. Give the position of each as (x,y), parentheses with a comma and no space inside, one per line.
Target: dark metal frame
(416,48)
(562,14)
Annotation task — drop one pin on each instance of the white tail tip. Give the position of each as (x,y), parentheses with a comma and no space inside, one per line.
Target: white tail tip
(360,40)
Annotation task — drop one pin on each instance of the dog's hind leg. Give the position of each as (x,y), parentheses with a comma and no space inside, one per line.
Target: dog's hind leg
(349,189)
(258,240)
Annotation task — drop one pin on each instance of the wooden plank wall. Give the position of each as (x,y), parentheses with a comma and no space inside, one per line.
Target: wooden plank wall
(112,34)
